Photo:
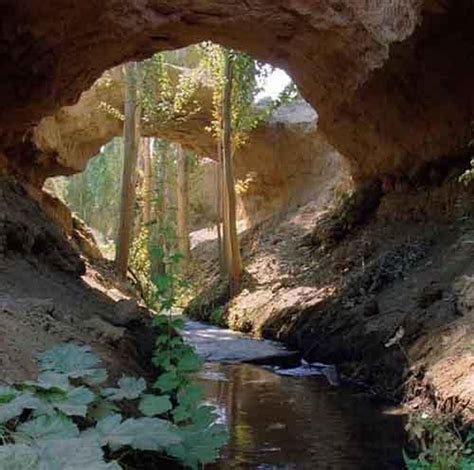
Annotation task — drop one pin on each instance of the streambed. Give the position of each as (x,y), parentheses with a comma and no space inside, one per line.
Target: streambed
(290,421)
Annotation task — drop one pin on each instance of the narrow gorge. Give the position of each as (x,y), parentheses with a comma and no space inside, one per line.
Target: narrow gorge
(353,213)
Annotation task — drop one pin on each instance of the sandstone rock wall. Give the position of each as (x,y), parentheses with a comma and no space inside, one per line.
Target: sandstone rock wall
(286,161)
(392,81)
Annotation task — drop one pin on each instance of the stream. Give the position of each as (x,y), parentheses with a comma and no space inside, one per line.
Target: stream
(284,417)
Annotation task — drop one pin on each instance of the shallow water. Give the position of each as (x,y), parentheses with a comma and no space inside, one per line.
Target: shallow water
(278,422)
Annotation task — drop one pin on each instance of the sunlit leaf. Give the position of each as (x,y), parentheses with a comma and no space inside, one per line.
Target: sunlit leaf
(101,409)
(73,454)
(142,434)
(7,394)
(54,426)
(167,382)
(49,380)
(70,359)
(153,405)
(128,388)
(75,402)
(16,407)
(18,457)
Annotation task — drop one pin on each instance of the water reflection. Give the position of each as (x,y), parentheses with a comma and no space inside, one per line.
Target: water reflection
(299,423)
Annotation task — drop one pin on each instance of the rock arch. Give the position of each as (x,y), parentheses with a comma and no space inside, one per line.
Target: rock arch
(392,84)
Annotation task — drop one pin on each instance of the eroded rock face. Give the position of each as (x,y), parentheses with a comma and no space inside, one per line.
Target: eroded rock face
(392,81)
(285,162)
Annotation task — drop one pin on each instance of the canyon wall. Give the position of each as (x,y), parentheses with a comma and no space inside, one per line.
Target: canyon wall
(392,81)
(285,162)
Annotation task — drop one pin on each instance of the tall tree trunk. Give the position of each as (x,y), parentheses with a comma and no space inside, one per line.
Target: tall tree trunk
(182,199)
(131,131)
(147,181)
(159,242)
(234,263)
(221,239)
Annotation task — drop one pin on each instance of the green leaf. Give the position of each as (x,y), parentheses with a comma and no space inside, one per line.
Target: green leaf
(141,434)
(55,426)
(73,454)
(191,395)
(203,417)
(160,320)
(190,363)
(75,402)
(50,380)
(96,377)
(18,457)
(128,388)
(152,405)
(167,382)
(70,359)
(102,408)
(199,447)
(7,394)
(16,407)
(178,323)
(162,359)
(181,413)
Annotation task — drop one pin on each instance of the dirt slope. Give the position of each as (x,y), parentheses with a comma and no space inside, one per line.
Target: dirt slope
(383,287)
(50,294)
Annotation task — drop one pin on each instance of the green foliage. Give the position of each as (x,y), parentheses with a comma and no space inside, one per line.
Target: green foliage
(54,422)
(468,175)
(129,388)
(217,316)
(442,447)
(168,92)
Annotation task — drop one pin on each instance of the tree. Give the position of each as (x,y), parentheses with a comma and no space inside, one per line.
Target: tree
(234,263)
(148,189)
(182,199)
(131,143)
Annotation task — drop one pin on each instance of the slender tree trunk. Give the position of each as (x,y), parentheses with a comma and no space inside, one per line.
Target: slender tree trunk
(234,263)
(147,181)
(131,130)
(221,234)
(182,200)
(158,266)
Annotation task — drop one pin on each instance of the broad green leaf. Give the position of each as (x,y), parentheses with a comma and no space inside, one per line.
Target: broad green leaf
(162,360)
(16,407)
(7,394)
(102,408)
(75,402)
(103,429)
(18,457)
(191,395)
(199,447)
(49,380)
(73,454)
(190,363)
(54,426)
(141,434)
(160,320)
(95,376)
(70,359)
(128,388)
(153,405)
(181,413)
(203,416)
(178,322)
(167,382)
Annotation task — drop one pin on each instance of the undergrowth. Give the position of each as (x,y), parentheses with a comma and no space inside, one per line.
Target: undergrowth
(441,446)
(67,419)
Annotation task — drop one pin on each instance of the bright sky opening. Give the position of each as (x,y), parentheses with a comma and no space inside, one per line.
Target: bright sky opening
(274,84)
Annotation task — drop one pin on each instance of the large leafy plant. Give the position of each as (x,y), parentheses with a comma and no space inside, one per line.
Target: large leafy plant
(67,419)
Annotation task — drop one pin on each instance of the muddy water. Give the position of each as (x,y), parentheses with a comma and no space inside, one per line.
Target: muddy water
(299,423)
(289,422)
